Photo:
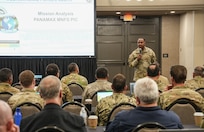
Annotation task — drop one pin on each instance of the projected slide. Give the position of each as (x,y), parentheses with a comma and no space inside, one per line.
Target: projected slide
(47,28)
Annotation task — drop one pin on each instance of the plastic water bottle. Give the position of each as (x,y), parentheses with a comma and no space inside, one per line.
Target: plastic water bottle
(83,114)
(17,116)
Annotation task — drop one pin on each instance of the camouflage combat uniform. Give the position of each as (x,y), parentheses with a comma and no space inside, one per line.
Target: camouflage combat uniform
(26,95)
(67,94)
(94,87)
(148,57)
(196,82)
(73,77)
(5,87)
(168,97)
(106,104)
(162,83)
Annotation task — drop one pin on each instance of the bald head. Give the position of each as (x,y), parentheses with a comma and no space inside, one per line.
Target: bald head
(6,113)
(50,87)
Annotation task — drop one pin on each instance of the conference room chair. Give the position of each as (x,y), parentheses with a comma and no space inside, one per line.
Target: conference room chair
(17,85)
(28,108)
(5,96)
(200,91)
(118,108)
(148,127)
(50,129)
(76,90)
(185,109)
(74,107)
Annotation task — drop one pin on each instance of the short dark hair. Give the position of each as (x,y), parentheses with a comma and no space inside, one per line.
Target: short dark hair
(52,69)
(198,71)
(179,73)
(101,72)
(72,67)
(119,82)
(5,74)
(153,70)
(26,78)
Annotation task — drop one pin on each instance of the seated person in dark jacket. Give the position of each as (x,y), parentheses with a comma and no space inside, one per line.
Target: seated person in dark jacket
(147,110)
(51,91)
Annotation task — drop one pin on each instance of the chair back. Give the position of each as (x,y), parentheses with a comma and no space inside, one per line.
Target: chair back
(148,127)
(17,85)
(28,108)
(74,107)
(185,109)
(76,90)
(200,91)
(5,96)
(50,129)
(118,108)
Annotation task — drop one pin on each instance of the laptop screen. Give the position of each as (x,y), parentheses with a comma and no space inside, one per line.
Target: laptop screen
(132,84)
(103,94)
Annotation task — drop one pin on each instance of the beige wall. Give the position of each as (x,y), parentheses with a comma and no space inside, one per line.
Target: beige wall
(182,38)
(199,39)
(170,31)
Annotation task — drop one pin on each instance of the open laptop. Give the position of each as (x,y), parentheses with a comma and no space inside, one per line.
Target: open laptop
(38,78)
(103,94)
(132,84)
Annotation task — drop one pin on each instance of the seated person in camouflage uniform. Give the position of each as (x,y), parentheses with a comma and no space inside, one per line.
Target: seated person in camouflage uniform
(101,83)
(53,69)
(27,94)
(198,80)
(153,72)
(179,90)
(106,104)
(147,110)
(74,76)
(6,79)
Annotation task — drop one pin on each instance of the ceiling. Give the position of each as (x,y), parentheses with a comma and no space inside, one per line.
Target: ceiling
(147,7)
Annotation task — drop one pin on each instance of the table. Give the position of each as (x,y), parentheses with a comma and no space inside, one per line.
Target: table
(98,129)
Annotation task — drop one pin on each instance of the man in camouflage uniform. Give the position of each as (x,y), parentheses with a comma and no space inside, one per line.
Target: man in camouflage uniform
(74,76)
(101,83)
(141,58)
(198,80)
(179,90)
(153,72)
(6,79)
(106,104)
(53,69)
(28,93)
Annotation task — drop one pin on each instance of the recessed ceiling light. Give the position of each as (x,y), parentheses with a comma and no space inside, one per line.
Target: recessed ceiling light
(172,12)
(139,0)
(118,12)
(151,0)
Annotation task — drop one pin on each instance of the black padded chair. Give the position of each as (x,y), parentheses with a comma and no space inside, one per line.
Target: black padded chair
(185,109)
(76,90)
(200,91)
(50,129)
(28,108)
(5,96)
(17,85)
(74,107)
(148,127)
(118,108)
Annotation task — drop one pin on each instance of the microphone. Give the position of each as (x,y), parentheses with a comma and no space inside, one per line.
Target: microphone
(140,50)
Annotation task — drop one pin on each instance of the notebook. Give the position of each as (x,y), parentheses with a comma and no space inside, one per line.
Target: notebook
(103,94)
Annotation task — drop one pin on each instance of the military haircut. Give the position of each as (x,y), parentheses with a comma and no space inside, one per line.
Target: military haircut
(153,70)
(179,73)
(26,78)
(5,74)
(146,90)
(101,72)
(52,69)
(72,67)
(119,82)
(198,71)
